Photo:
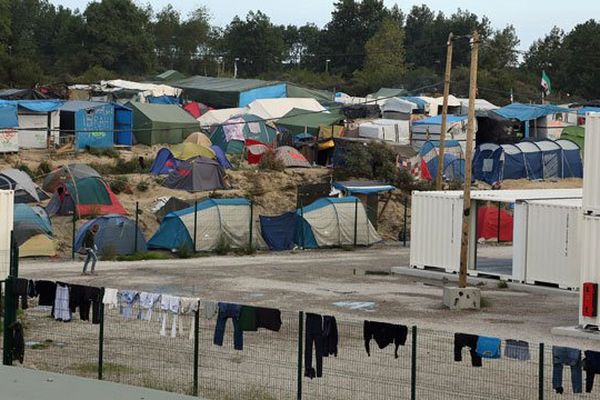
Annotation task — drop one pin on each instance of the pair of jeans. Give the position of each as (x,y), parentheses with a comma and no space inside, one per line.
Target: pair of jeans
(571,357)
(466,340)
(226,311)
(591,365)
(314,336)
(91,256)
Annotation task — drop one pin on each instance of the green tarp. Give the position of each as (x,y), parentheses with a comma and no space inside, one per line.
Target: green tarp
(89,191)
(300,121)
(298,91)
(574,133)
(169,75)
(161,123)
(389,92)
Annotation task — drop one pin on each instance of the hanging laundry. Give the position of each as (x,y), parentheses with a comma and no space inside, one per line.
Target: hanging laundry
(234,129)
(169,305)
(84,297)
(62,310)
(21,290)
(330,336)
(226,311)
(571,357)
(147,303)
(18,350)
(190,305)
(128,298)
(465,340)
(211,309)
(268,318)
(384,335)
(313,337)
(111,298)
(248,318)
(31,292)
(517,350)
(591,366)
(489,347)
(47,292)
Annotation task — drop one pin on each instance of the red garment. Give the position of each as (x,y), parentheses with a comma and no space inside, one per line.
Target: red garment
(425,174)
(487,224)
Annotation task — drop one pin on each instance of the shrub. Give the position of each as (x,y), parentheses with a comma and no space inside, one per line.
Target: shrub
(131,166)
(44,168)
(119,184)
(24,168)
(184,251)
(223,246)
(109,253)
(142,186)
(108,152)
(268,162)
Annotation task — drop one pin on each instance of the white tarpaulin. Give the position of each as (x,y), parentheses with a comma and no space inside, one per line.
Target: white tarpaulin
(216,117)
(147,89)
(6,227)
(273,109)
(391,130)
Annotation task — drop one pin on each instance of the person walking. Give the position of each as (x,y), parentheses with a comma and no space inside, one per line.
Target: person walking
(89,244)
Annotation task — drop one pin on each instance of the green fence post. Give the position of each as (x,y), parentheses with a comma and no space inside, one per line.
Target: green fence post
(73,236)
(195,223)
(413,365)
(196,349)
(101,338)
(404,223)
(14,256)
(356,222)
(300,351)
(251,222)
(137,221)
(541,373)
(302,238)
(10,315)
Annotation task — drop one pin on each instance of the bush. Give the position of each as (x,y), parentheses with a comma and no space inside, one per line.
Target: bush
(223,246)
(109,253)
(119,184)
(24,168)
(44,168)
(151,255)
(184,251)
(131,166)
(108,152)
(268,162)
(142,186)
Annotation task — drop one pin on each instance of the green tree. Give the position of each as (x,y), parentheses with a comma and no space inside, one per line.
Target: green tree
(500,50)
(545,52)
(5,21)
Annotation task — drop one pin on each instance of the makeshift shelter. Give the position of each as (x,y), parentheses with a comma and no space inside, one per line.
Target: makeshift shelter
(196,109)
(171,205)
(274,109)
(67,173)
(299,91)
(545,159)
(482,107)
(26,191)
(91,123)
(575,134)
(117,235)
(161,123)
(84,197)
(494,223)
(368,193)
(167,160)
(303,121)
(227,92)
(9,122)
(21,94)
(35,119)
(427,129)
(198,138)
(390,130)
(213,118)
(530,115)
(454,161)
(142,92)
(332,222)
(435,105)
(231,136)
(169,75)
(387,93)
(33,231)
(397,108)
(279,231)
(221,157)
(197,175)
(216,222)
(291,158)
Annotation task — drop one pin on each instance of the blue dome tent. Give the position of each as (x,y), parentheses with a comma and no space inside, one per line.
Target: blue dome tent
(115,236)
(454,160)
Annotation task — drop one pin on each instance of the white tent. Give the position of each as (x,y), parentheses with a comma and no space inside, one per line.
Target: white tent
(436,103)
(430,128)
(276,108)
(145,89)
(480,105)
(391,130)
(216,117)
(347,99)
(397,108)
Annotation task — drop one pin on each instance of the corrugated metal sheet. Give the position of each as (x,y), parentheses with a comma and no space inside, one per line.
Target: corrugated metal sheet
(6,227)
(590,254)
(553,258)
(591,170)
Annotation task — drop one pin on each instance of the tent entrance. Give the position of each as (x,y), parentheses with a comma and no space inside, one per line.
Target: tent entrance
(494,239)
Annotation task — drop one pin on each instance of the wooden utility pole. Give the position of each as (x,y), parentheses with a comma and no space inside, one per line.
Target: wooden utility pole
(442,148)
(466,225)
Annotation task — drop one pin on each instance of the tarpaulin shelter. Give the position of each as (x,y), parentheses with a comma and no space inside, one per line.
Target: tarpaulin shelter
(84,197)
(279,231)
(26,191)
(305,121)
(21,94)
(196,109)
(427,129)
(213,118)
(291,158)
(526,113)
(544,159)
(198,138)
(116,235)
(231,136)
(36,120)
(67,173)
(221,157)
(331,222)
(227,92)
(9,135)
(91,123)
(169,75)
(388,92)
(171,205)
(143,92)
(161,123)
(494,223)
(575,134)
(397,108)
(197,175)
(273,109)
(33,231)
(390,130)
(299,91)
(454,161)
(368,193)
(216,221)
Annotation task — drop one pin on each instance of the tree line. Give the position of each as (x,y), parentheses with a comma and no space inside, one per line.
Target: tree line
(363,47)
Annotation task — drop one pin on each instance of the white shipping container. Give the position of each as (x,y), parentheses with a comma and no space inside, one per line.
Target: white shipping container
(591,170)
(6,227)
(590,260)
(9,140)
(33,132)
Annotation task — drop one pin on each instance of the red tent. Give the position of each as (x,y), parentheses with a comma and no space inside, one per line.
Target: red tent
(256,150)
(487,224)
(196,109)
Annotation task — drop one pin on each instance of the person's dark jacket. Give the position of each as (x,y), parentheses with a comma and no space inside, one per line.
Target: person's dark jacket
(88,239)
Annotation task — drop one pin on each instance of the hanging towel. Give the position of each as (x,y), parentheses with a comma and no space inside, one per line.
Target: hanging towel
(128,299)
(211,309)
(489,347)
(62,311)
(169,305)
(147,303)
(189,305)
(111,298)
(517,350)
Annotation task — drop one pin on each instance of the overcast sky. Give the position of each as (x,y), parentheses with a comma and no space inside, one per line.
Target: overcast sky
(531,18)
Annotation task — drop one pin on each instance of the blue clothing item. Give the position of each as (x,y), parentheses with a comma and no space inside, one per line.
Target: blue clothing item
(128,299)
(228,310)
(517,349)
(489,347)
(562,356)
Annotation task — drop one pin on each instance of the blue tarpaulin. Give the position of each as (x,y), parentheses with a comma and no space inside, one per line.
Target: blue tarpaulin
(36,105)
(363,187)
(421,104)
(279,231)
(164,100)
(585,110)
(527,112)
(437,120)
(8,116)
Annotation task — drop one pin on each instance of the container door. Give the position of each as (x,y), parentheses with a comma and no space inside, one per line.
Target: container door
(123,127)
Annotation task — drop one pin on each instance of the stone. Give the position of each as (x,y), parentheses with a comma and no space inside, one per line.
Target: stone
(456,298)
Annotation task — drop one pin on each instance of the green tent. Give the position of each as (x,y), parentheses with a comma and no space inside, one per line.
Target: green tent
(389,92)
(169,75)
(251,126)
(576,134)
(161,123)
(300,121)
(298,91)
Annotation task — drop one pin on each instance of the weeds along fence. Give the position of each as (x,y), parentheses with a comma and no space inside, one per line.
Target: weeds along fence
(272,364)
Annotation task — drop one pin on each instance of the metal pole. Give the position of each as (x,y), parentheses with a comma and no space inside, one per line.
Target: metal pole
(405,223)
(137,218)
(499,221)
(101,339)
(196,349)
(14,256)
(195,223)
(300,352)
(355,222)
(413,365)
(541,373)
(10,315)
(466,223)
(73,236)
(301,225)
(251,221)
(442,148)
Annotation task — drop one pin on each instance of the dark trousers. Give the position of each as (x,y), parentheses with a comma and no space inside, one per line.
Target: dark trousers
(461,340)
(313,336)
(591,366)
(226,311)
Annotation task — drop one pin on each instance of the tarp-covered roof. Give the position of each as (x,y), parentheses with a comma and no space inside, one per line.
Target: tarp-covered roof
(78,105)
(527,112)
(299,91)
(437,120)
(388,92)
(34,105)
(297,120)
(164,113)
(169,75)
(584,110)
(363,187)
(277,108)
(21,94)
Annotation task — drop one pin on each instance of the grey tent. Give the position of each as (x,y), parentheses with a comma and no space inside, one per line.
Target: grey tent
(26,191)
(172,205)
(197,175)
(67,173)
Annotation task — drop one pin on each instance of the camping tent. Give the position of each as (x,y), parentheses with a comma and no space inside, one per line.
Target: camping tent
(430,128)
(279,231)
(330,222)
(26,191)
(273,109)
(198,138)
(227,92)
(92,123)
(197,175)
(196,109)
(171,205)
(216,222)
(298,91)
(493,222)
(221,157)
(231,136)
(397,108)
(169,159)
(299,121)
(391,130)
(33,231)
(544,159)
(169,75)
(291,158)
(116,235)
(256,150)
(67,173)
(161,123)
(575,134)
(212,118)
(454,160)
(84,197)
